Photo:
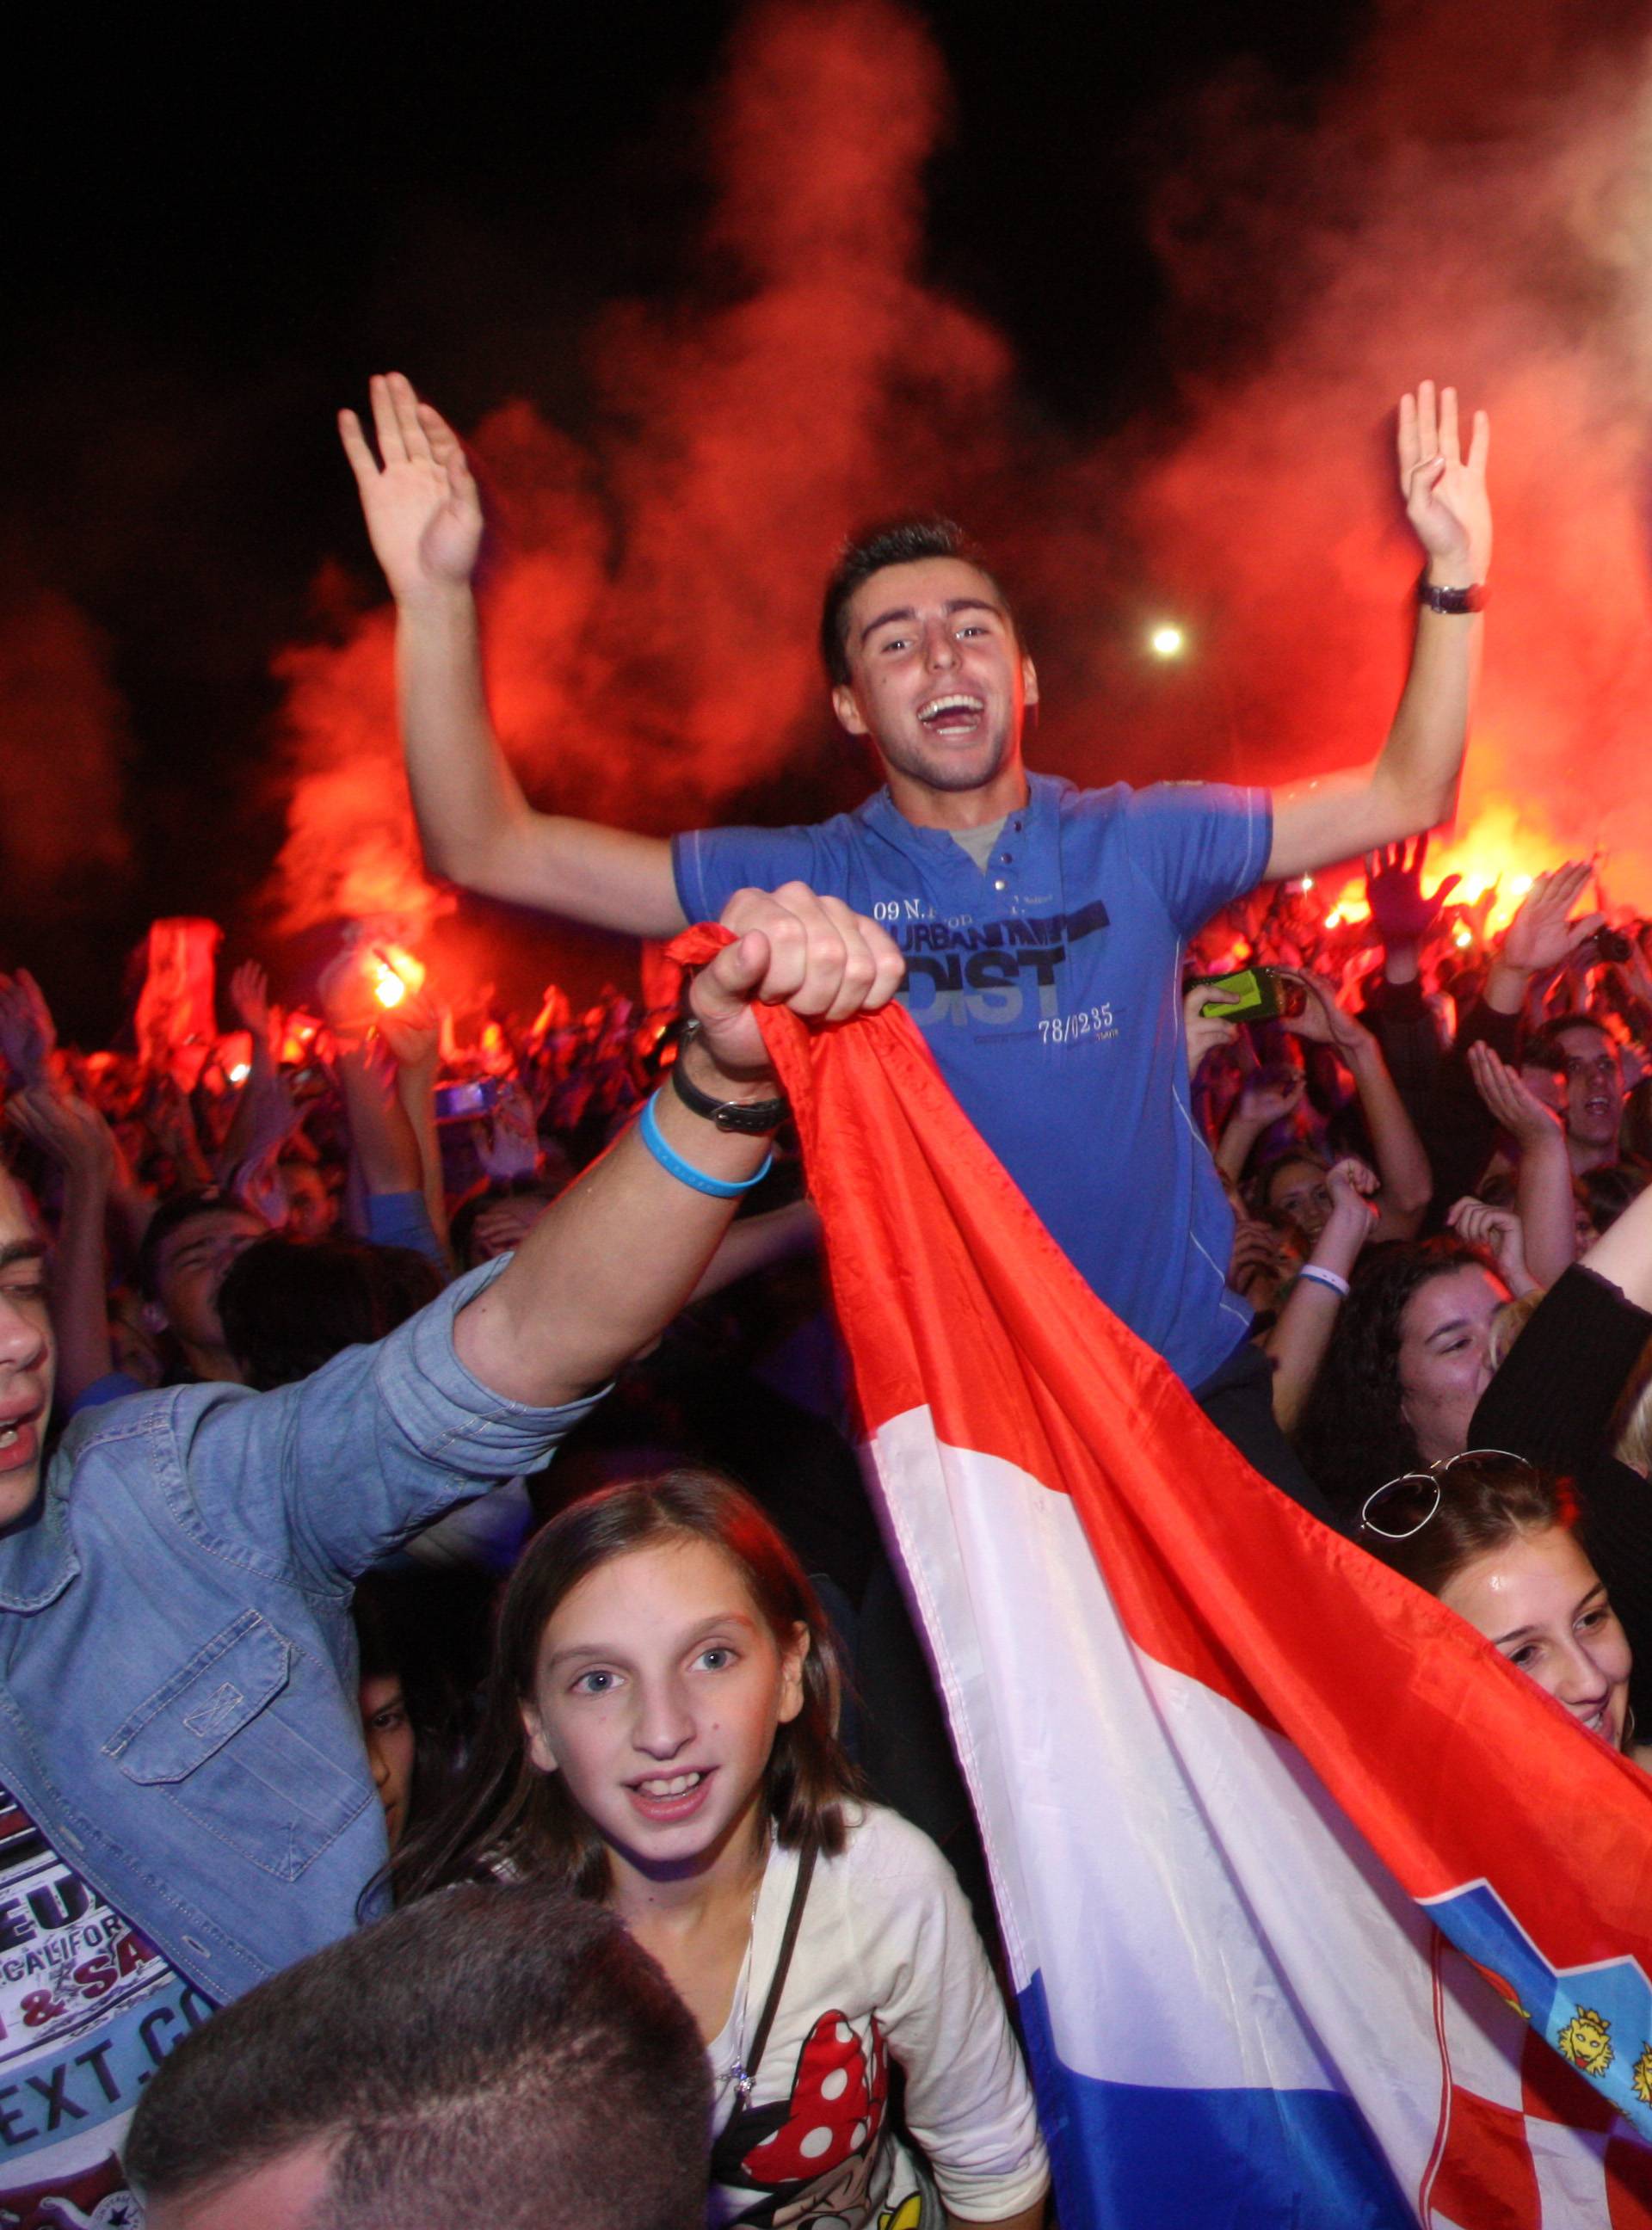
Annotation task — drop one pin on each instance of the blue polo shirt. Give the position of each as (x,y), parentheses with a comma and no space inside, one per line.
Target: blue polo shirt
(1049,986)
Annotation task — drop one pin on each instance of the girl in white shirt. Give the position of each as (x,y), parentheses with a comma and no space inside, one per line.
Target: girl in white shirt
(660,1732)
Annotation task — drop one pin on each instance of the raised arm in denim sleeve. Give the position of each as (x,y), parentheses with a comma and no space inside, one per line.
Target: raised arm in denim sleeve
(323,1477)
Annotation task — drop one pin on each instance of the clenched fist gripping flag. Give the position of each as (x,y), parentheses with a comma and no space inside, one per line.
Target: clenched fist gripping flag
(1309,1897)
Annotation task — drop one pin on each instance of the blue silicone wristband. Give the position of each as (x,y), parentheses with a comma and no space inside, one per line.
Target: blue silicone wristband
(673,1164)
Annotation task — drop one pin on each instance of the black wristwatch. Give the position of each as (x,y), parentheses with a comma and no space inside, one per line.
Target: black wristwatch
(1454,603)
(752,1116)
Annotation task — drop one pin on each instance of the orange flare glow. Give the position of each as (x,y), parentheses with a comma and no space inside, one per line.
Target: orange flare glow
(392,974)
(1498,839)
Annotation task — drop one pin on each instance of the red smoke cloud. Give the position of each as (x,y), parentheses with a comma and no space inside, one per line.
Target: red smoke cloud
(651,620)
(1475,206)
(1472,212)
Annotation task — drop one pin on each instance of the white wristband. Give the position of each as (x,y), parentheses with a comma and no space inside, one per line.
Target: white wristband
(1335,1279)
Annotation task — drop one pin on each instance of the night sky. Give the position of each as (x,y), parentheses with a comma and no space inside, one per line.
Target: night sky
(227,228)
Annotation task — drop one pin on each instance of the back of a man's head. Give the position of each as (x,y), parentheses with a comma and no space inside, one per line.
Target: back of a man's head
(505,2057)
(288,1305)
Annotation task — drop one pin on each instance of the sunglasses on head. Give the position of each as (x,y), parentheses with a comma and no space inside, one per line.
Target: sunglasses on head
(1402,1506)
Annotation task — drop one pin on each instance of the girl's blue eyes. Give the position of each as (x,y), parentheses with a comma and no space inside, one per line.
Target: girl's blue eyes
(598,1682)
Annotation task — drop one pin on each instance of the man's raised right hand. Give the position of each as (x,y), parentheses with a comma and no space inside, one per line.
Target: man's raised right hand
(424,514)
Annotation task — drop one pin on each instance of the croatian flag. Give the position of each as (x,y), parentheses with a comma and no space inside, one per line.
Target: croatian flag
(1309,1897)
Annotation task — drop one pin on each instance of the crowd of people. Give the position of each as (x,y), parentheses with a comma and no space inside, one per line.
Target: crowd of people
(431,1819)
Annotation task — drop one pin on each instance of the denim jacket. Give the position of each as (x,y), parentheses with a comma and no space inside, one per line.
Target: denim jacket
(178,1665)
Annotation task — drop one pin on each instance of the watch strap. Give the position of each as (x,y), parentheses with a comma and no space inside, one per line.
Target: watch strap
(752,1117)
(1454,603)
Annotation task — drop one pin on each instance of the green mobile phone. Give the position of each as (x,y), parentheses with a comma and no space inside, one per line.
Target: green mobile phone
(1250,995)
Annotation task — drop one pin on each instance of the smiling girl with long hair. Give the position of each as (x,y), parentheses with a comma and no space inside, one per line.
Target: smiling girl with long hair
(660,1733)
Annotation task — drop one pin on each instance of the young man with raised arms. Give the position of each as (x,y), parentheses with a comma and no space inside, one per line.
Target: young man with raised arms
(1042,926)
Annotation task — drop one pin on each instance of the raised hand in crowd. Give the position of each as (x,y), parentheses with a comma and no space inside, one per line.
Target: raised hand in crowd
(1445,490)
(69,1129)
(1257,1268)
(1269,1095)
(1205,1033)
(508,1140)
(1354,1186)
(1400,914)
(424,517)
(1297,1342)
(1543,1173)
(425,520)
(412,1033)
(556,1318)
(266,1113)
(171,1126)
(1322,1021)
(28,1034)
(1498,1230)
(249,997)
(1402,1162)
(386,1161)
(72,1136)
(1543,935)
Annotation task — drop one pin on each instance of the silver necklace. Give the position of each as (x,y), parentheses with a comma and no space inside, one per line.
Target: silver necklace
(736,2071)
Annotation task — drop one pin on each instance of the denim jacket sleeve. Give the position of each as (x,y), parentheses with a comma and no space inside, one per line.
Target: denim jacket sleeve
(320,1480)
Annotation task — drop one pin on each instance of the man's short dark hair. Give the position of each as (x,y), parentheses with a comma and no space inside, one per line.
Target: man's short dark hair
(288,1305)
(897,542)
(498,2055)
(1543,1049)
(171,1215)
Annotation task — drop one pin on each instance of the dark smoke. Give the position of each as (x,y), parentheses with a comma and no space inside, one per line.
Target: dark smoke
(62,741)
